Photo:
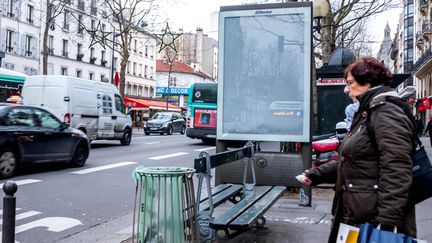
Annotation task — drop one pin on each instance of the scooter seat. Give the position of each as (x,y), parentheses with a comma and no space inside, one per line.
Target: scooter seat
(325,145)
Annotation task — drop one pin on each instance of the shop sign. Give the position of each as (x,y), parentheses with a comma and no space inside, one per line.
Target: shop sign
(325,82)
(172,90)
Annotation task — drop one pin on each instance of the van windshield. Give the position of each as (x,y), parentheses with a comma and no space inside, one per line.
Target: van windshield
(162,116)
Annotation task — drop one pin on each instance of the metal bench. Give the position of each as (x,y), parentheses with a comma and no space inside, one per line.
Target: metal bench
(250,202)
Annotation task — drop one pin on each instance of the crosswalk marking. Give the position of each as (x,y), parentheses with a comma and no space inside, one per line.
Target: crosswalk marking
(168,156)
(152,143)
(204,149)
(23,182)
(104,167)
(23,215)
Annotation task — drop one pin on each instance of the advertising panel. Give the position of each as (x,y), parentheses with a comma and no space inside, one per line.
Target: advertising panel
(205,118)
(264,88)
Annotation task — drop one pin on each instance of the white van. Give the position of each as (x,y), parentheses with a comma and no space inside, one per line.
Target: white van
(94,107)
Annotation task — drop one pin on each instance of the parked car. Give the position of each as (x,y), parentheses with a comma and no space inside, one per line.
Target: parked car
(34,135)
(165,122)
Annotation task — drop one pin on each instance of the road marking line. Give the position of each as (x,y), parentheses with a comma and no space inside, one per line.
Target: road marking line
(152,143)
(23,182)
(204,149)
(104,167)
(23,215)
(168,156)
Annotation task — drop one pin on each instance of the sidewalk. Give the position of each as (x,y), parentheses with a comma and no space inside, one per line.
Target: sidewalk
(286,222)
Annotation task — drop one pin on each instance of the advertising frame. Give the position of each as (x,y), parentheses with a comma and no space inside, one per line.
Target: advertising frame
(304,8)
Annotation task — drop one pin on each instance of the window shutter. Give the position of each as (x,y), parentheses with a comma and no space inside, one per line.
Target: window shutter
(35,47)
(16,43)
(17,9)
(23,44)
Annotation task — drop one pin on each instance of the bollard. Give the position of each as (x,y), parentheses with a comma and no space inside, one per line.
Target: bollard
(9,203)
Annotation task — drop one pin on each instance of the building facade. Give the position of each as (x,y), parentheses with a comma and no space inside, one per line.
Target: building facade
(70,48)
(181,77)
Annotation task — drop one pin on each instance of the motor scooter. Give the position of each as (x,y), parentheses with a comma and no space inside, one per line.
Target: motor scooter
(325,147)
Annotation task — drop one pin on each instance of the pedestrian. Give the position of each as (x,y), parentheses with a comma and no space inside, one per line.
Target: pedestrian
(350,109)
(419,128)
(372,186)
(429,129)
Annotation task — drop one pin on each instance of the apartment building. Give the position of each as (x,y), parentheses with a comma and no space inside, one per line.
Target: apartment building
(70,48)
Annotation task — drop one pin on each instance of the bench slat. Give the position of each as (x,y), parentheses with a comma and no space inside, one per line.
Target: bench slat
(225,192)
(239,208)
(259,208)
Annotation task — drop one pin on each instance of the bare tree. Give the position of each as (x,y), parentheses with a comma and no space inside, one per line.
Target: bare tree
(126,18)
(346,21)
(52,8)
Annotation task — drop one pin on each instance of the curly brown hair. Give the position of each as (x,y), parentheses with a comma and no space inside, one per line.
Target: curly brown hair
(368,70)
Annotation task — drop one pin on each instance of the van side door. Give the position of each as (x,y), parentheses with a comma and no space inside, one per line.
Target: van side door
(107,118)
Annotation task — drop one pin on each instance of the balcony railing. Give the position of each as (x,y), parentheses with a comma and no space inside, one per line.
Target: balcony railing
(30,20)
(28,53)
(427,55)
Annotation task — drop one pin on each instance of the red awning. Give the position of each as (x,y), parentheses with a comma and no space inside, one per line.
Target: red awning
(140,104)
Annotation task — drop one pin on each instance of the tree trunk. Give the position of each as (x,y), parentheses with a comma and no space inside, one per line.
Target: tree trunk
(328,42)
(45,39)
(123,64)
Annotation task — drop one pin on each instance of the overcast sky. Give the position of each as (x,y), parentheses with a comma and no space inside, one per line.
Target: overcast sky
(190,14)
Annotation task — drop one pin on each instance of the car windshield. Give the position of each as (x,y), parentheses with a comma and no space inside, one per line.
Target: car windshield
(162,116)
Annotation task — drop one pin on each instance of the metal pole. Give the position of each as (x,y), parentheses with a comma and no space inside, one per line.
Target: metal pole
(9,205)
(112,56)
(168,85)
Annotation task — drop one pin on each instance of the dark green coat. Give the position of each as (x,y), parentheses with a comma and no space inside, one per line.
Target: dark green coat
(369,189)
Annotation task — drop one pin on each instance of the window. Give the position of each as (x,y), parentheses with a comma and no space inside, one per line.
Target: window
(93,23)
(28,45)
(145,70)
(50,45)
(128,67)
(140,69)
(65,20)
(9,40)
(134,68)
(64,71)
(146,51)
(106,104)
(65,48)
(30,13)
(115,63)
(103,56)
(10,8)
(119,104)
(80,24)
(79,73)
(44,119)
(20,117)
(91,76)
(79,48)
(136,44)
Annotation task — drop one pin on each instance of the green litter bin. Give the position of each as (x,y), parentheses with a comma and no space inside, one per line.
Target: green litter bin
(164,205)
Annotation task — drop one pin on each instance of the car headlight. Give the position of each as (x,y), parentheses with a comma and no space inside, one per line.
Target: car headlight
(165,125)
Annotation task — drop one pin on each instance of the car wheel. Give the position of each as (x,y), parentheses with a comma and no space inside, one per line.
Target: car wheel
(147,133)
(80,155)
(127,136)
(170,130)
(8,163)
(162,133)
(183,129)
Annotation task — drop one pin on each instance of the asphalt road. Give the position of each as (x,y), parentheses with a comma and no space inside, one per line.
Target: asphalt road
(55,202)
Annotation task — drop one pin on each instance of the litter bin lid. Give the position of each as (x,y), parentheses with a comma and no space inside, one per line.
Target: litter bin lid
(164,170)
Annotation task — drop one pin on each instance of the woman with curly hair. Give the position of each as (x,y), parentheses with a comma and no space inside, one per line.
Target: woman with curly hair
(372,177)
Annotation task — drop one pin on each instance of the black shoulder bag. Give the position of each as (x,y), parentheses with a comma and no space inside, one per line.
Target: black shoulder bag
(421,187)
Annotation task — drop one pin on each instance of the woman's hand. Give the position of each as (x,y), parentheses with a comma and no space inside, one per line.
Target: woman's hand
(303,179)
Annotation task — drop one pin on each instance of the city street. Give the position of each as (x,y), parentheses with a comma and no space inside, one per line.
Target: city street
(71,200)
(95,203)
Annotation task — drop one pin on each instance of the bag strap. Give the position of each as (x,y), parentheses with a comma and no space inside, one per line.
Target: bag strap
(371,131)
